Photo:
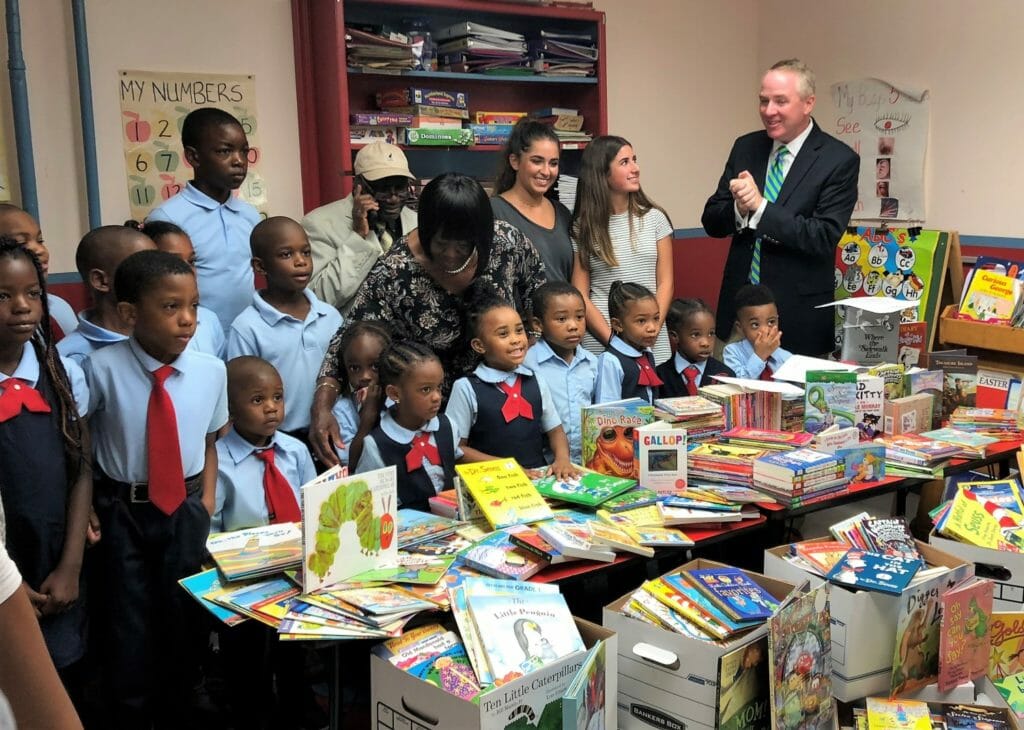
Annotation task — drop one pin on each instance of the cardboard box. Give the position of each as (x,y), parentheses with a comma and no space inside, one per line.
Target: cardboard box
(667,680)
(400,701)
(1005,569)
(909,414)
(978,334)
(863,623)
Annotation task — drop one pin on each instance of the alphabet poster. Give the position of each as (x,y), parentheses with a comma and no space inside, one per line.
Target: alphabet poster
(888,128)
(153,107)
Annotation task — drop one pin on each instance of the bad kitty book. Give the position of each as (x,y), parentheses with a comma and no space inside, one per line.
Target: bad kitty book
(799,655)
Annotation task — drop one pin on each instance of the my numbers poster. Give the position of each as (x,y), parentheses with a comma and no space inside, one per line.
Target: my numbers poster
(876,262)
(154,106)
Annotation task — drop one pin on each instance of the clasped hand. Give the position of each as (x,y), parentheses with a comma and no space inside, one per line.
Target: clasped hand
(745,193)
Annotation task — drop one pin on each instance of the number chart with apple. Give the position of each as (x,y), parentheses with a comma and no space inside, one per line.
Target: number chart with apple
(890,262)
(154,106)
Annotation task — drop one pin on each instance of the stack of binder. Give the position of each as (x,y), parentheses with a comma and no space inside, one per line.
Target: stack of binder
(469,47)
(563,54)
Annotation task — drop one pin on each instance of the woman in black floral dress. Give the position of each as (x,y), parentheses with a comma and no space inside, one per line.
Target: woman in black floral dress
(418,285)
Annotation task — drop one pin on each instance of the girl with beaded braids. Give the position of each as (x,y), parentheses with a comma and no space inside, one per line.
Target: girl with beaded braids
(45,477)
(412,435)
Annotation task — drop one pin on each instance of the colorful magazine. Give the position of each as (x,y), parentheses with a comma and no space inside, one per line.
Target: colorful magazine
(799,653)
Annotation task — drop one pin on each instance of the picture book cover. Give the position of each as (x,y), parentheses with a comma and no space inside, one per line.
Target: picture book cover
(830,399)
(960,382)
(415,527)
(822,556)
(912,343)
(974,519)
(636,497)
(893,375)
(450,670)
(660,453)
(1006,631)
(520,634)
(349,527)
(618,538)
(835,438)
(583,704)
(735,592)
(208,582)
(410,568)
(496,555)
(799,654)
(415,645)
(864,462)
(870,406)
(669,596)
(607,435)
(589,489)
(993,389)
(1011,689)
(962,717)
(459,603)
(990,297)
(503,492)
(574,541)
(930,382)
(918,618)
(256,551)
(870,337)
(964,643)
(743,688)
(685,587)
(898,714)
(891,536)
(869,571)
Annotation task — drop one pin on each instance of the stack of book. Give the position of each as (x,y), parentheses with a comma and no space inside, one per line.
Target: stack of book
(759,438)
(911,454)
(742,407)
(792,414)
(972,444)
(710,604)
(257,551)
(566,123)
(435,655)
(723,463)
(379,51)
(799,477)
(563,54)
(903,713)
(702,418)
(470,47)
(415,527)
(889,535)
(999,423)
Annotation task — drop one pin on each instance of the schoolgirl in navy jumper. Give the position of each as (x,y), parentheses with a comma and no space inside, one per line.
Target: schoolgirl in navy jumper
(501,409)
(691,331)
(45,477)
(626,368)
(412,435)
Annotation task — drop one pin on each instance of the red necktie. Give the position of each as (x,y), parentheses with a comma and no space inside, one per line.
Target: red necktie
(281,503)
(515,404)
(166,479)
(691,372)
(16,394)
(767,373)
(647,375)
(421,449)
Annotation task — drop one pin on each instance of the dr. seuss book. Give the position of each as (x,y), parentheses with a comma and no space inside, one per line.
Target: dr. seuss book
(522,633)
(830,399)
(584,701)
(799,653)
(743,688)
(870,406)
(589,489)
(1006,632)
(734,591)
(863,570)
(897,714)
(503,492)
(349,527)
(864,462)
(607,435)
(964,644)
(256,551)
(661,456)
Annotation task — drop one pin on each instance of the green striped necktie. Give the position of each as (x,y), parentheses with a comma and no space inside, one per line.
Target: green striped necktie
(772,186)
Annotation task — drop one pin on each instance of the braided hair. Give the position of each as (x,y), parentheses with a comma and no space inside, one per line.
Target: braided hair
(621,293)
(354,330)
(398,357)
(71,427)
(680,311)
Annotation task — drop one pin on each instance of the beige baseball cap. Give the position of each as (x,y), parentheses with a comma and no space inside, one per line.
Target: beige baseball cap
(380,159)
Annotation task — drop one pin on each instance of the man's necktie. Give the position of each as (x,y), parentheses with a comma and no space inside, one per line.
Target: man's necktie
(16,394)
(691,373)
(647,375)
(421,449)
(166,478)
(515,404)
(772,186)
(281,503)
(767,373)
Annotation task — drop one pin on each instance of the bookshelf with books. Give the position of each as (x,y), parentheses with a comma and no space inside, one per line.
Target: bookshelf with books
(330,90)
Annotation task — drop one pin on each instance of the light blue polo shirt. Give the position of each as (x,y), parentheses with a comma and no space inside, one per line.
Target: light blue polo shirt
(220,235)
(240,499)
(296,348)
(741,359)
(89,337)
(119,386)
(571,386)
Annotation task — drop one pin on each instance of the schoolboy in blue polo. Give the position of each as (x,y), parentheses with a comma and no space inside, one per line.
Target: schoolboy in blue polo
(218,222)
(759,354)
(285,324)
(254,449)
(559,359)
(155,409)
(97,257)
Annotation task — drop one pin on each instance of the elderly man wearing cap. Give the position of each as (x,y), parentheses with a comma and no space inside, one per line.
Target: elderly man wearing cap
(349,235)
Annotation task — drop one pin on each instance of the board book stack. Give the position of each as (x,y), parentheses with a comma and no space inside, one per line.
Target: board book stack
(972,445)
(256,551)
(743,407)
(416,527)
(799,475)
(702,418)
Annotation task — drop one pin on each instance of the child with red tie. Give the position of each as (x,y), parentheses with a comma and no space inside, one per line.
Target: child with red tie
(259,472)
(45,480)
(757,352)
(501,409)
(626,368)
(155,409)
(691,330)
(412,435)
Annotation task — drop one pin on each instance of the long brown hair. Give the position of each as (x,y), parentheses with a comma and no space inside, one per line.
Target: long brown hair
(524,134)
(593,208)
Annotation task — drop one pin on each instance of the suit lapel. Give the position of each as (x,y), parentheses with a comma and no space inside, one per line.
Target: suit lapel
(801,165)
(759,165)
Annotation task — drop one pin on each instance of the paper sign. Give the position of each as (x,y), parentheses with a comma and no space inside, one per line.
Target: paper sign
(875,305)
(795,368)
(768,386)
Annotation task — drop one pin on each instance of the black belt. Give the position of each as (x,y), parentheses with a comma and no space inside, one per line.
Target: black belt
(138,492)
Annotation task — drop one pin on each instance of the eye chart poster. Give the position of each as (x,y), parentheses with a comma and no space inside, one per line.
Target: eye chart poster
(153,107)
(888,128)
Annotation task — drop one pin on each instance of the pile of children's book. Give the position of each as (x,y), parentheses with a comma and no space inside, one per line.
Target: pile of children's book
(986,513)
(901,714)
(1001,424)
(915,455)
(723,463)
(798,477)
(702,418)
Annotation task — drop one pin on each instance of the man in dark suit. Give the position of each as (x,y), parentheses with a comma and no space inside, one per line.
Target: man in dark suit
(785,211)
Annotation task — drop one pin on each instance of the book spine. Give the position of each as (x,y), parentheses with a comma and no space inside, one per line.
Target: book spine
(380,119)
